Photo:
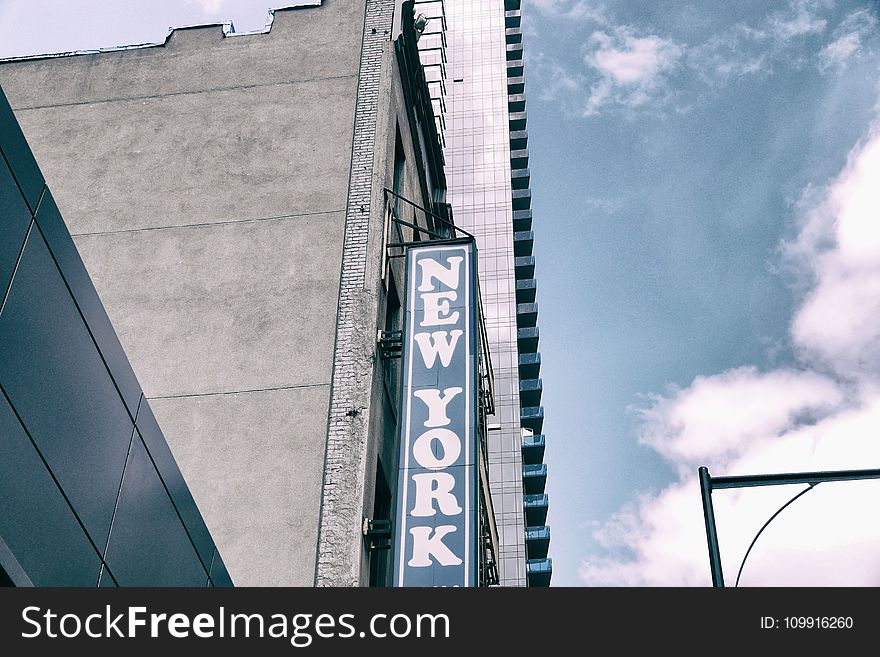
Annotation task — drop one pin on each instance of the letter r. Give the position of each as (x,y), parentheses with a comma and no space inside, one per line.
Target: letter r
(432,486)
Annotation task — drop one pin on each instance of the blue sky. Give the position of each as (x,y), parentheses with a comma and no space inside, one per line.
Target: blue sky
(681,155)
(708,262)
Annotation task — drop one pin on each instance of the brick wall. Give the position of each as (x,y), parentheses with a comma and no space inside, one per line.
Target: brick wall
(339,540)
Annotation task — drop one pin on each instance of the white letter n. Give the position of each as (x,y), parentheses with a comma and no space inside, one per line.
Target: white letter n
(432,269)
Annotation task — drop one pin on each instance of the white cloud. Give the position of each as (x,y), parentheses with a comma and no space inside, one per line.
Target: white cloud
(849,39)
(558,84)
(777,40)
(653,542)
(821,540)
(723,414)
(839,246)
(631,68)
(823,416)
(837,52)
(800,20)
(632,60)
(739,51)
(573,9)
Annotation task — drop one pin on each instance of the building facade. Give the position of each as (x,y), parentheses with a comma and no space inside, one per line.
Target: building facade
(475,53)
(241,202)
(92,495)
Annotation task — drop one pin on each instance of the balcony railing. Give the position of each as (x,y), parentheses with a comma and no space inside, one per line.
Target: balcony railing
(535,507)
(539,571)
(533,449)
(529,366)
(534,478)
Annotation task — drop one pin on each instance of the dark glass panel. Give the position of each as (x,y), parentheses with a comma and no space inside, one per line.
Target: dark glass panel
(36,522)
(55,378)
(174,482)
(106,579)
(148,545)
(62,247)
(17,152)
(219,575)
(14,221)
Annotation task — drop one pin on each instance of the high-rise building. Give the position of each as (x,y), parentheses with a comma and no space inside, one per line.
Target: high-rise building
(472,52)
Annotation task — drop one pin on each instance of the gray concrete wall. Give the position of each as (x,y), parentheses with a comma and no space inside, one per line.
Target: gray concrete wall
(205,183)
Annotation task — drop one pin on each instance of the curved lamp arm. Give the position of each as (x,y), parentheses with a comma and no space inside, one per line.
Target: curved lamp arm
(780,510)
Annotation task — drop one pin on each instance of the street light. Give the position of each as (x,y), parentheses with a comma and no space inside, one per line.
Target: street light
(709,483)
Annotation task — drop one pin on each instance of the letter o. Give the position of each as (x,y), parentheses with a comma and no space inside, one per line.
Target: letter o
(394,632)
(423,453)
(76,623)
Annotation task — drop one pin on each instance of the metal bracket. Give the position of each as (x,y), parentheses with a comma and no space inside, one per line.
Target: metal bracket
(377,533)
(390,343)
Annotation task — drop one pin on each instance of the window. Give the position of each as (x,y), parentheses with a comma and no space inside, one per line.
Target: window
(380,559)
(399,171)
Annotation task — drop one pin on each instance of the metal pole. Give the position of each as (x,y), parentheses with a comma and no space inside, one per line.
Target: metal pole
(811,478)
(711,534)
(707,484)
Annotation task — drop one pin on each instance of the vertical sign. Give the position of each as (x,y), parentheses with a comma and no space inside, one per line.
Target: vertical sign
(435,535)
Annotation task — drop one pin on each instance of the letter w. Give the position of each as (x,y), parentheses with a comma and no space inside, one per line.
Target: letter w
(432,344)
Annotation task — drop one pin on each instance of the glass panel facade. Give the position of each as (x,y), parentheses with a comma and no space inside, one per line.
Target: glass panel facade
(15,219)
(55,379)
(478,177)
